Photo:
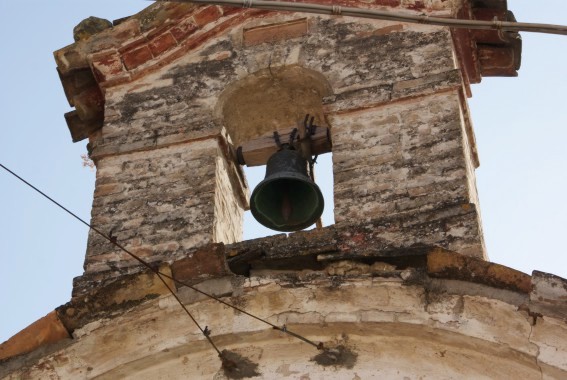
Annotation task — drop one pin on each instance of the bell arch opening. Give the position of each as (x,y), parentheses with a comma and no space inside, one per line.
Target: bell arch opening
(324,179)
(269,100)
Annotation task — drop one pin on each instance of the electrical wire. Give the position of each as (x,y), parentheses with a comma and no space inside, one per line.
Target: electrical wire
(162,275)
(506,26)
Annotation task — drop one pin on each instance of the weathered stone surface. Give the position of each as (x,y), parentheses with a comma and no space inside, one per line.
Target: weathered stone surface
(206,262)
(162,203)
(112,296)
(442,263)
(548,295)
(168,29)
(449,226)
(89,27)
(272,33)
(416,331)
(402,235)
(375,287)
(550,335)
(407,156)
(288,92)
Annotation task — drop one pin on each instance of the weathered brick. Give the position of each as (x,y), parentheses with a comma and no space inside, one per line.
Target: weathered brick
(275,32)
(183,29)
(162,43)
(89,104)
(107,65)
(498,61)
(136,57)
(207,15)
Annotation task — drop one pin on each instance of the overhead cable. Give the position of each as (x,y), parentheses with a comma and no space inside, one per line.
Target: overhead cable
(162,275)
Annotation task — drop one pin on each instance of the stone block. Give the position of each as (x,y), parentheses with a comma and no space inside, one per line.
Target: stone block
(162,43)
(205,262)
(183,29)
(414,157)
(207,14)
(107,296)
(445,264)
(218,287)
(275,32)
(548,295)
(107,65)
(44,331)
(550,336)
(163,203)
(136,57)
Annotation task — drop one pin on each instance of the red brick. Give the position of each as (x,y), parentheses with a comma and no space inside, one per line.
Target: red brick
(206,15)
(89,104)
(442,263)
(196,40)
(418,5)
(137,57)
(356,3)
(133,45)
(275,32)
(183,30)
(158,31)
(497,61)
(106,66)
(227,11)
(488,14)
(162,43)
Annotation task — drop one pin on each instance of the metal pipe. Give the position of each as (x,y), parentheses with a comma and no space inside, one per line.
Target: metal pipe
(507,26)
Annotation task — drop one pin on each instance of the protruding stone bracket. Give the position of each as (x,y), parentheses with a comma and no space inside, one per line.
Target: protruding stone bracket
(485,53)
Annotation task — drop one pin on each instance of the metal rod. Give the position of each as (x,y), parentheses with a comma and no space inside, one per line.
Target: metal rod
(507,26)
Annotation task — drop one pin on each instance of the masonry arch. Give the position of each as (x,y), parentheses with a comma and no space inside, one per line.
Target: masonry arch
(271,99)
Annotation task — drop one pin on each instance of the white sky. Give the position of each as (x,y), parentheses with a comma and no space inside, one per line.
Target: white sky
(520,125)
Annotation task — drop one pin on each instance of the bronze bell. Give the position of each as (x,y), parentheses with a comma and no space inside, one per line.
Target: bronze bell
(287,199)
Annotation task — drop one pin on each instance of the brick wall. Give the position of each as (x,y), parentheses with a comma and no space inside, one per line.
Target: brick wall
(163,203)
(402,140)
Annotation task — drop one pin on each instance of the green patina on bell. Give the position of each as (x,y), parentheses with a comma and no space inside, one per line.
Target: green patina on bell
(287,199)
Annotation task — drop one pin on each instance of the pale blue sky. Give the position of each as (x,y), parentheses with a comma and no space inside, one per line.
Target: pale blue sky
(520,125)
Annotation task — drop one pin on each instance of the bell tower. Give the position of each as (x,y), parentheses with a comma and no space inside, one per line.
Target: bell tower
(176,99)
(180,99)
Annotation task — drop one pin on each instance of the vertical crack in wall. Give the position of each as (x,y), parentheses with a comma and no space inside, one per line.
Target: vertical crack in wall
(532,325)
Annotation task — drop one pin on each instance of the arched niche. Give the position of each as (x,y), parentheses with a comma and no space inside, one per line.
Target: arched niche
(271,99)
